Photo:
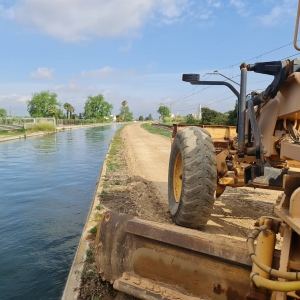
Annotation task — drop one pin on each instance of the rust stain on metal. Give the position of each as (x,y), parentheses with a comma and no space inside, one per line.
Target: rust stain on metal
(193,277)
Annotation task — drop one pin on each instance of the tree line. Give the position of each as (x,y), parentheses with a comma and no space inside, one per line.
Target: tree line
(45,104)
(209,116)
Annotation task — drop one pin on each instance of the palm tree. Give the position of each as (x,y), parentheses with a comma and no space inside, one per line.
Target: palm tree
(52,110)
(124,103)
(66,107)
(69,109)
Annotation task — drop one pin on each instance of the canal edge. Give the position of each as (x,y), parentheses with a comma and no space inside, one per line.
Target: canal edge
(71,290)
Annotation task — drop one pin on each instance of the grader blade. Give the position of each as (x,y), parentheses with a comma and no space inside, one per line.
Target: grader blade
(151,260)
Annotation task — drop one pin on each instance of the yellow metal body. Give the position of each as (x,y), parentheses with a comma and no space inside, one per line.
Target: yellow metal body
(264,251)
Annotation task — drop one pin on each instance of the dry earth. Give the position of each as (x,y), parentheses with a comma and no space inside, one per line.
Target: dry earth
(147,157)
(136,183)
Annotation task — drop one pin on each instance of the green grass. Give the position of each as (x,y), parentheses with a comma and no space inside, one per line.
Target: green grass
(93,230)
(99,207)
(104,193)
(90,259)
(116,145)
(4,134)
(155,130)
(41,126)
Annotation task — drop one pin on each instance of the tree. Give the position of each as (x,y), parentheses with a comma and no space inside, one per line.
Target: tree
(212,117)
(69,109)
(97,107)
(164,111)
(124,104)
(150,117)
(141,118)
(3,113)
(40,103)
(125,111)
(190,119)
(53,110)
(232,116)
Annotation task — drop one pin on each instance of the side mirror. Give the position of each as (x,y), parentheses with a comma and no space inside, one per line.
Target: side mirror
(190,77)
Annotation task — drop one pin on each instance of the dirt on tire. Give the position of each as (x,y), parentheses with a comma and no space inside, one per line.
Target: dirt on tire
(197,177)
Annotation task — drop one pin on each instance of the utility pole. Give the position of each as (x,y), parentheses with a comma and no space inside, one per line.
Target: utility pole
(199,113)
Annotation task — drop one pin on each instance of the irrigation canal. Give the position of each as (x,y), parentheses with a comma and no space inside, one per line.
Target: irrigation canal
(46,188)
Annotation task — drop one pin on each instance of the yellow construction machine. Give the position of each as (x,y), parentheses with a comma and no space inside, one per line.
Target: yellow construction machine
(150,260)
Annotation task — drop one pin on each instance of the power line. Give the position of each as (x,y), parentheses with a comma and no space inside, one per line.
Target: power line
(220,94)
(258,56)
(180,98)
(185,96)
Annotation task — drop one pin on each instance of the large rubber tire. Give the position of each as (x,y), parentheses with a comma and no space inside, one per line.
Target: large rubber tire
(192,177)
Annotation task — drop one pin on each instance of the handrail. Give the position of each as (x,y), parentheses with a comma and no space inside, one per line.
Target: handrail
(296,27)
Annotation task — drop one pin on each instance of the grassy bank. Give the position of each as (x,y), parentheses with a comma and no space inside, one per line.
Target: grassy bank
(39,127)
(92,286)
(155,130)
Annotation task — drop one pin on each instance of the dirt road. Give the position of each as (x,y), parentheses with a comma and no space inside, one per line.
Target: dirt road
(136,183)
(147,157)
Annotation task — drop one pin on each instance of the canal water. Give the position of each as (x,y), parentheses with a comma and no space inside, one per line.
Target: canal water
(46,188)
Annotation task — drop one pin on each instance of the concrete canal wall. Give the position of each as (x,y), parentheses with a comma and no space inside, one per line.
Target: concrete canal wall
(71,290)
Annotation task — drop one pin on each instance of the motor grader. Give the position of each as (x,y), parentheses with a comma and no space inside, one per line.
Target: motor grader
(149,260)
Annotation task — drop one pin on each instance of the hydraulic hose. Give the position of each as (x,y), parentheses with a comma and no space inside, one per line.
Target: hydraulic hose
(275,285)
(272,272)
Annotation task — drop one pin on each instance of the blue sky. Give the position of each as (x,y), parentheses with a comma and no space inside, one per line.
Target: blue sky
(136,50)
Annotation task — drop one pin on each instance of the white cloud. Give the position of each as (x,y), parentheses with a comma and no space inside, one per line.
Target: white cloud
(204,15)
(279,13)
(14,97)
(98,73)
(75,20)
(214,3)
(42,73)
(241,7)
(237,3)
(72,86)
(107,72)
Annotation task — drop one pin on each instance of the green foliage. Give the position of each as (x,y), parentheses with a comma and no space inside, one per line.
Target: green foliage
(40,104)
(232,116)
(141,118)
(3,113)
(125,112)
(113,163)
(164,111)
(97,107)
(99,207)
(89,258)
(69,109)
(149,118)
(212,117)
(155,130)
(93,230)
(53,110)
(190,119)
(75,116)
(42,126)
